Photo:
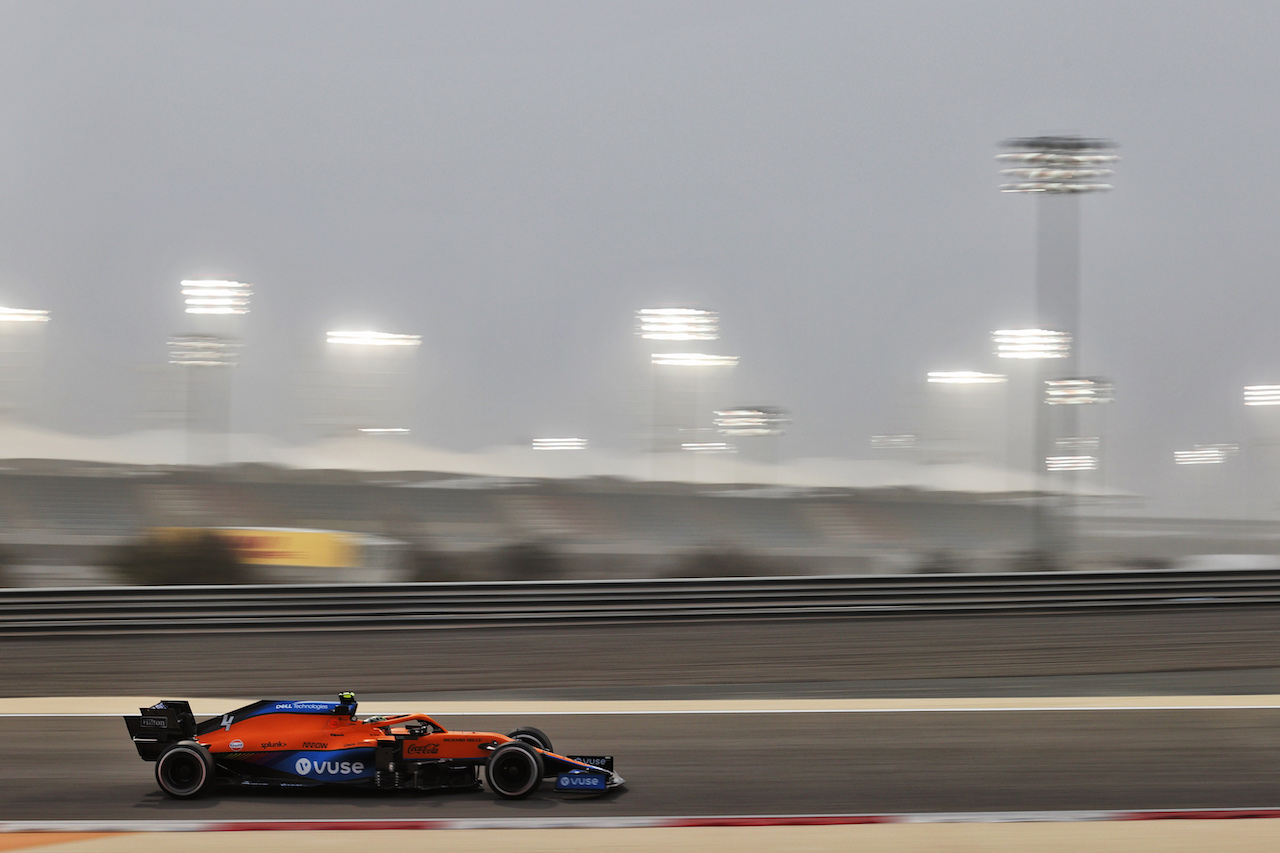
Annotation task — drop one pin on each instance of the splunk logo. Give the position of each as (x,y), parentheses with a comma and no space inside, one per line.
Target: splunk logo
(307,767)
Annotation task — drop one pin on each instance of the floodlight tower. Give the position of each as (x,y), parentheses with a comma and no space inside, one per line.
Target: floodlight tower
(757,428)
(1210,454)
(960,412)
(370,379)
(206,355)
(1032,346)
(678,376)
(21,358)
(1263,421)
(1058,169)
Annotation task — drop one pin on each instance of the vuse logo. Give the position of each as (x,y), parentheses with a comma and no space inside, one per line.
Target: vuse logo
(307,767)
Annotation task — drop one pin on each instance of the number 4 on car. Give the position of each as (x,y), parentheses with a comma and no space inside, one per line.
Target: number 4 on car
(304,743)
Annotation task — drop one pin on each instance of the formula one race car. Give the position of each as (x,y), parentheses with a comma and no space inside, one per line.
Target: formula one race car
(304,744)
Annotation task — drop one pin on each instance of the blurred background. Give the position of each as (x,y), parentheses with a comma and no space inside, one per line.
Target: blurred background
(421,291)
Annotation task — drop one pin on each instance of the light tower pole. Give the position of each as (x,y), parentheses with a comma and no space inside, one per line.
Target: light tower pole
(1263,441)
(1058,169)
(206,354)
(668,329)
(21,360)
(370,382)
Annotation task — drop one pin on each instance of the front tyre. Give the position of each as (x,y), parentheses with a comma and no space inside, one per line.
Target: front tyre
(533,737)
(184,770)
(514,771)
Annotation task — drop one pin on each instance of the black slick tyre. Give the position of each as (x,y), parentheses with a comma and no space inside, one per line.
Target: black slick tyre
(514,770)
(533,737)
(184,770)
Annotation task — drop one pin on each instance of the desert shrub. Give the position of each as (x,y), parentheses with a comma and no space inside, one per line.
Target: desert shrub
(201,558)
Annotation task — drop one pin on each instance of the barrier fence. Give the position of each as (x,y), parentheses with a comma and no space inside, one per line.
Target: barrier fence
(417,606)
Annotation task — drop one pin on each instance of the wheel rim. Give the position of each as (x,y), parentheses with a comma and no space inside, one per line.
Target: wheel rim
(182,772)
(512,772)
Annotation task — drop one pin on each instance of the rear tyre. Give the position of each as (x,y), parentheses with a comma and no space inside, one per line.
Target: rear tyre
(514,771)
(184,770)
(533,737)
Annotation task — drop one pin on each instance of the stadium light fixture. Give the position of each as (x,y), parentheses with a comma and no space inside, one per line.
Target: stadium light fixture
(1206,454)
(1262,395)
(559,444)
(384,430)
(965,377)
(1057,165)
(1071,463)
(692,359)
(1077,392)
(708,447)
(896,441)
(202,351)
(1031,343)
(677,324)
(23,315)
(759,420)
(216,297)
(373,339)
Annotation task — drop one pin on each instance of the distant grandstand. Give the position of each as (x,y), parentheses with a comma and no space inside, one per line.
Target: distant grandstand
(59,517)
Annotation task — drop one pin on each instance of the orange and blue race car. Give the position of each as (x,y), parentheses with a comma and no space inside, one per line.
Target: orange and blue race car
(310,743)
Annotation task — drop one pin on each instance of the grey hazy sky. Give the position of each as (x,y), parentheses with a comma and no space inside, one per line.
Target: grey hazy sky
(513,180)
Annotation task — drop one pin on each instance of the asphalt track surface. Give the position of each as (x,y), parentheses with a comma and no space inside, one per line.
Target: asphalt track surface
(85,767)
(742,764)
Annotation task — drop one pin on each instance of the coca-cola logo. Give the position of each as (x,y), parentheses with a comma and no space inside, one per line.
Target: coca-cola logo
(422,749)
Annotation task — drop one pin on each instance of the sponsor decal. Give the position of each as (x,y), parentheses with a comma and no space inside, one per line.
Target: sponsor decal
(237,744)
(280,547)
(273,743)
(154,722)
(308,744)
(580,782)
(605,761)
(422,749)
(303,707)
(306,767)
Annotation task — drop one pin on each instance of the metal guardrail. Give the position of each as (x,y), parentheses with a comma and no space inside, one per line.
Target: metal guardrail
(416,606)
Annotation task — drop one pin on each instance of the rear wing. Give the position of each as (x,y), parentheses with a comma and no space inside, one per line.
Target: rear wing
(160,725)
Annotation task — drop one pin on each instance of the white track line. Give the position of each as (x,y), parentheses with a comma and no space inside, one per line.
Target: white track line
(636,822)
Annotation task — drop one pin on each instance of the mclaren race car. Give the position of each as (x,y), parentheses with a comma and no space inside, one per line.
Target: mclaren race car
(310,743)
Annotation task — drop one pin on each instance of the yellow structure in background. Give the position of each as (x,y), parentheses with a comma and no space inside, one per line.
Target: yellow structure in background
(268,546)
